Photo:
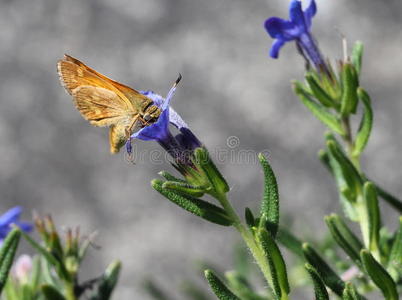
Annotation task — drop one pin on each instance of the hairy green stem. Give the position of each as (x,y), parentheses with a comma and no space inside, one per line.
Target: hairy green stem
(249,239)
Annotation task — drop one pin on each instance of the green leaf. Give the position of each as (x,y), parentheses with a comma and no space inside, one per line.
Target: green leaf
(195,206)
(10,292)
(324,158)
(350,83)
(357,56)
(48,275)
(170,177)
(321,95)
(250,220)
(350,293)
(318,110)
(395,259)
(36,272)
(51,293)
(379,276)
(349,172)
(185,188)
(7,253)
(330,278)
(330,84)
(218,287)
(290,242)
(347,177)
(319,287)
(59,266)
(276,262)
(269,216)
(54,244)
(344,237)
(335,169)
(216,179)
(241,286)
(390,199)
(366,123)
(108,281)
(386,240)
(373,216)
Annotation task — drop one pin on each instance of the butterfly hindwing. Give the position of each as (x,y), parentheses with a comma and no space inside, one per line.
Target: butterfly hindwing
(100,106)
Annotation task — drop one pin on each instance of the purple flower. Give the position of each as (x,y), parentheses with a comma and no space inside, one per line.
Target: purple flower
(297,29)
(181,145)
(10,217)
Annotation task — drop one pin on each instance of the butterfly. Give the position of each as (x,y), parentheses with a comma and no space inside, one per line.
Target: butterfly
(105,102)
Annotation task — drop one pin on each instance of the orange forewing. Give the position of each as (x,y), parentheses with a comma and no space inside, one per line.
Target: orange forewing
(100,100)
(134,97)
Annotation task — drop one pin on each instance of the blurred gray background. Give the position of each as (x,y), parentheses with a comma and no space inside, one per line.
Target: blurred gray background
(52,161)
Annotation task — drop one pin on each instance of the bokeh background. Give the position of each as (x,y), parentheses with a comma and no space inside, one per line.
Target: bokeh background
(52,161)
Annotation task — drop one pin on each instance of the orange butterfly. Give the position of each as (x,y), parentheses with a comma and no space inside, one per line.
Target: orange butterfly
(105,102)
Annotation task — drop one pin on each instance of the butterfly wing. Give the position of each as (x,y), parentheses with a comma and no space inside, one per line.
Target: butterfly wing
(117,137)
(102,107)
(136,99)
(98,99)
(73,75)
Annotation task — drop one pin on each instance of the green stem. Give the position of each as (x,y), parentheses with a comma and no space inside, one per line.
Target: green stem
(248,238)
(69,291)
(363,220)
(350,144)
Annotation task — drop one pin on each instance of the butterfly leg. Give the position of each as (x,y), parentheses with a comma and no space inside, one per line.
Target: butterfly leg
(129,147)
(129,151)
(131,126)
(143,121)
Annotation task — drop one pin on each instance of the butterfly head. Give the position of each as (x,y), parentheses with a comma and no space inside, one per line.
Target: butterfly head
(151,115)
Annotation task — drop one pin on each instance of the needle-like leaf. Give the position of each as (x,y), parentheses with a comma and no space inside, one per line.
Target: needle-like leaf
(366,123)
(379,276)
(350,293)
(331,279)
(276,262)
(218,287)
(357,56)
(319,287)
(350,83)
(197,207)
(344,237)
(269,215)
(318,110)
(7,253)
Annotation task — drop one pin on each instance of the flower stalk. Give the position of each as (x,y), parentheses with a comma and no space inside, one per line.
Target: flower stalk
(247,237)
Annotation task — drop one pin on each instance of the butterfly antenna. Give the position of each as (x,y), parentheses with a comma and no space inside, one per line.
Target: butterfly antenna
(171,92)
(177,80)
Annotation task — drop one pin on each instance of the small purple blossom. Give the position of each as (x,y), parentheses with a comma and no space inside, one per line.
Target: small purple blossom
(297,29)
(179,146)
(10,217)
